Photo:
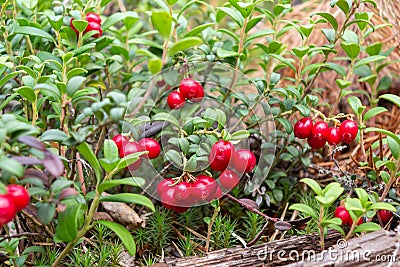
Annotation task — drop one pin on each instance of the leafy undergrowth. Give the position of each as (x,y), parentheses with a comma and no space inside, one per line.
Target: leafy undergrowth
(153,129)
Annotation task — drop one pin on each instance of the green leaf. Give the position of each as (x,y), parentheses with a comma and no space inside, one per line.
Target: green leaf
(12,166)
(304,209)
(33,32)
(184,44)
(385,176)
(362,196)
(367,227)
(383,131)
(253,22)
(69,222)
(85,151)
(286,124)
(313,185)
(195,31)
(123,234)
(166,117)
(301,51)
(154,65)
(353,204)
(117,17)
(344,5)
(394,147)
(80,25)
(162,21)
(355,104)
(395,99)
(129,159)
(27,92)
(384,83)
(175,157)
(234,14)
(242,134)
(53,135)
(351,49)
(284,61)
(222,53)
(374,49)
(342,84)
(373,112)
(110,149)
(132,181)
(130,199)
(331,19)
(46,211)
(382,206)
(329,34)
(368,60)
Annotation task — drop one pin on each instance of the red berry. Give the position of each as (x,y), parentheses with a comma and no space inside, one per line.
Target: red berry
(19,195)
(320,130)
(130,148)
(348,130)
(7,209)
(189,88)
(217,194)
(182,191)
(152,146)
(199,96)
(302,128)
(93,17)
(229,179)
(164,185)
(221,154)
(93,26)
(179,209)
(385,215)
(203,188)
(244,160)
(315,143)
(342,213)
(120,140)
(175,100)
(73,27)
(168,199)
(334,137)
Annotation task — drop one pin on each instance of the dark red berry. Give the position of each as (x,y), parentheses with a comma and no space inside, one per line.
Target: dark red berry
(229,179)
(244,161)
(93,26)
(316,143)
(182,190)
(152,146)
(130,148)
(168,199)
(302,128)
(199,96)
(120,140)
(385,215)
(189,88)
(221,154)
(203,188)
(348,130)
(19,195)
(7,209)
(342,213)
(93,17)
(164,185)
(179,209)
(320,130)
(175,100)
(217,194)
(334,137)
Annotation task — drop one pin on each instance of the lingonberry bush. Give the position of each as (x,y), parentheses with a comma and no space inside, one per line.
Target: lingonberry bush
(201,115)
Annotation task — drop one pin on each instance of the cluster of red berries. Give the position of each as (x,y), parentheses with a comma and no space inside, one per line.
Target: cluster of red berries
(189,89)
(319,133)
(15,199)
(179,196)
(127,147)
(94,24)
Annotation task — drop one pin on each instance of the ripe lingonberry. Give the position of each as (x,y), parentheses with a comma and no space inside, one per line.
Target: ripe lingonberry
(93,17)
(93,26)
(203,188)
(152,146)
(348,130)
(120,140)
(182,190)
(315,143)
(217,194)
(385,215)
(229,179)
(221,153)
(19,195)
(342,213)
(164,185)
(243,161)
(130,148)
(7,209)
(189,88)
(333,137)
(175,100)
(199,96)
(320,130)
(302,128)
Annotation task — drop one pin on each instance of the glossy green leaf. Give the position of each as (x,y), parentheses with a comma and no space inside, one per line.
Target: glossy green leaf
(27,30)
(395,99)
(330,18)
(195,31)
(69,222)
(130,199)
(132,181)
(304,209)
(234,14)
(86,152)
(184,44)
(382,206)
(162,21)
(373,112)
(367,227)
(123,234)
(313,185)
